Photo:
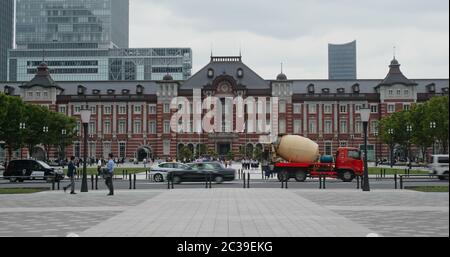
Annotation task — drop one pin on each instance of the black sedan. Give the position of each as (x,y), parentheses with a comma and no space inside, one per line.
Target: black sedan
(199,172)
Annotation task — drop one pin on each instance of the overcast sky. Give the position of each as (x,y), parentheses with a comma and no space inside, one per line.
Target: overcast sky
(297,33)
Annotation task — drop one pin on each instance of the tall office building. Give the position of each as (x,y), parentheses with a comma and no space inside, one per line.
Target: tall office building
(87,40)
(342,63)
(63,24)
(6,34)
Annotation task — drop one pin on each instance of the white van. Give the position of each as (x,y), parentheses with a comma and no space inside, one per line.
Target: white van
(439,166)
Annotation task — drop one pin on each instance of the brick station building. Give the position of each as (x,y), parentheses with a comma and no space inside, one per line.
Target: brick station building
(131,118)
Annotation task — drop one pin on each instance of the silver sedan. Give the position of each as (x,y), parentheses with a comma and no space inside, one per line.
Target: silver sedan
(158,172)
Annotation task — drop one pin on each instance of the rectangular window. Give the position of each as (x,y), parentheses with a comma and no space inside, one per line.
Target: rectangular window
(166,147)
(406,107)
(152,127)
(166,108)
(343,108)
(107,127)
(297,127)
(358,107)
(137,127)
(122,150)
(358,127)
(391,92)
(374,108)
(328,109)
(93,109)
(77,149)
(166,127)
(343,144)
(107,110)
(374,127)
(137,109)
(77,109)
(282,107)
(297,108)
(78,127)
(122,127)
(406,92)
(122,110)
(38,95)
(312,108)
(312,127)
(328,148)
(282,126)
(92,150)
(152,109)
(328,127)
(92,128)
(399,92)
(63,109)
(30,94)
(344,126)
(391,108)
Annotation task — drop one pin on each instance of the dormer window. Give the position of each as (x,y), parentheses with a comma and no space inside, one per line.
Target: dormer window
(356,89)
(81,90)
(311,89)
(8,90)
(431,88)
(240,73)
(210,73)
(326,90)
(125,92)
(139,89)
(95,92)
(341,90)
(111,91)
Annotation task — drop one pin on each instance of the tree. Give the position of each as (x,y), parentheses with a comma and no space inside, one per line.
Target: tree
(12,112)
(36,117)
(437,109)
(422,134)
(257,154)
(393,131)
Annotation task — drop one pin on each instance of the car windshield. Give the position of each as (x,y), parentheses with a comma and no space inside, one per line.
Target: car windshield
(44,165)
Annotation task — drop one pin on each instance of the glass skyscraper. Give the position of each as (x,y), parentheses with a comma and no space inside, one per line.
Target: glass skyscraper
(63,24)
(87,40)
(342,61)
(6,34)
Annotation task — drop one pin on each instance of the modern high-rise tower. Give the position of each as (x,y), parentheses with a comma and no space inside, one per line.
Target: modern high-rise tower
(74,24)
(6,34)
(342,62)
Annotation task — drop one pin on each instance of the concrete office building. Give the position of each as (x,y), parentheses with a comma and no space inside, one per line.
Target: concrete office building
(342,63)
(87,40)
(6,34)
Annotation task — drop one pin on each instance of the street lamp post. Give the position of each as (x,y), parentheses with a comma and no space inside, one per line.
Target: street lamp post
(376,133)
(63,134)
(85,119)
(433,126)
(391,133)
(45,130)
(22,128)
(365,117)
(409,129)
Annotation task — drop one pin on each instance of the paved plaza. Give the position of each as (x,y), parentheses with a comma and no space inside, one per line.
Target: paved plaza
(226,213)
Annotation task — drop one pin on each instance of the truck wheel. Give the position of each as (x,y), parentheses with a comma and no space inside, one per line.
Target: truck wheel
(300,176)
(347,176)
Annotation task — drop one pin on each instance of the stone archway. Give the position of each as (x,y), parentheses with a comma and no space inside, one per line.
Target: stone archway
(39,153)
(144,152)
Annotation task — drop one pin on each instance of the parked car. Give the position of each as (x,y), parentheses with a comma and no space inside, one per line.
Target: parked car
(159,171)
(197,172)
(21,170)
(439,166)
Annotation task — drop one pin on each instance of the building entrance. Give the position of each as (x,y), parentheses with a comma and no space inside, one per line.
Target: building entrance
(223,149)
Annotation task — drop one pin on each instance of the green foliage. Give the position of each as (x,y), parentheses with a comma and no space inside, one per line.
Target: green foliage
(420,118)
(13,112)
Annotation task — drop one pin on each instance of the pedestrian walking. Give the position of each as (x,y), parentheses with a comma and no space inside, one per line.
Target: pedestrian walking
(99,167)
(71,175)
(110,174)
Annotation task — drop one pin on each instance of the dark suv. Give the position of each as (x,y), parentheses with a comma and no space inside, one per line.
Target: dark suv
(21,170)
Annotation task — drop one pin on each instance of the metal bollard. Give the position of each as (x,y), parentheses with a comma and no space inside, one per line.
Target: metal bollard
(245,184)
(53,184)
(325,182)
(58,185)
(320,181)
(168,180)
(131,181)
(123,174)
(96,182)
(401,182)
(210,181)
(134,182)
(92,181)
(395,179)
(357,182)
(248,180)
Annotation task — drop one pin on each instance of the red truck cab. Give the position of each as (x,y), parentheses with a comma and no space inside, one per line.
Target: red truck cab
(349,160)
